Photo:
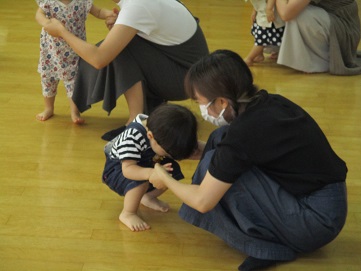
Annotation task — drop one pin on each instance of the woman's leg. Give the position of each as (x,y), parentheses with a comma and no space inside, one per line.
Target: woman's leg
(262,220)
(305,42)
(135,100)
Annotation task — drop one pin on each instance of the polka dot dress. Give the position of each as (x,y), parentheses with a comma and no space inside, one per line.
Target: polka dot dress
(265,36)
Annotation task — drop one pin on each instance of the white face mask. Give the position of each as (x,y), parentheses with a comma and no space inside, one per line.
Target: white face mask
(218,121)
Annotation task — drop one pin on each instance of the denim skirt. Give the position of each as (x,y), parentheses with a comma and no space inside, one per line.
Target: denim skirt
(261,219)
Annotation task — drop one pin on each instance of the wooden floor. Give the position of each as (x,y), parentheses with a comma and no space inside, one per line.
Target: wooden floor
(55,214)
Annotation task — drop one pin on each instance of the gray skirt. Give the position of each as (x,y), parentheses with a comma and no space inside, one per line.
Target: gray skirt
(160,68)
(259,218)
(321,41)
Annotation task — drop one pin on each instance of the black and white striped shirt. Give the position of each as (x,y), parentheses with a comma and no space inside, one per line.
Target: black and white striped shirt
(130,144)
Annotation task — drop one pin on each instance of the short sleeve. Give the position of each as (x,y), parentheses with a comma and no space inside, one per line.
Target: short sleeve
(41,3)
(89,5)
(137,16)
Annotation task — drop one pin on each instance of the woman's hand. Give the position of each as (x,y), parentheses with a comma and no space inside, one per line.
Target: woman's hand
(159,175)
(54,27)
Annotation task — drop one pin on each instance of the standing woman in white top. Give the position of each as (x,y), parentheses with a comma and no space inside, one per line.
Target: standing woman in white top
(145,56)
(267,29)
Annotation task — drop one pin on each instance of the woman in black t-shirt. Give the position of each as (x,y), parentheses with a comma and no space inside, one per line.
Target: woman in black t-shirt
(268,182)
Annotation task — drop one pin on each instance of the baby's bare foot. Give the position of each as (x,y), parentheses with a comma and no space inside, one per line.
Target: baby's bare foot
(45,115)
(155,203)
(259,58)
(76,118)
(273,55)
(133,221)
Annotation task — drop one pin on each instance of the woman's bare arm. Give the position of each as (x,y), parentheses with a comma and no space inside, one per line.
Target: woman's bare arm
(116,40)
(203,197)
(289,9)
(101,13)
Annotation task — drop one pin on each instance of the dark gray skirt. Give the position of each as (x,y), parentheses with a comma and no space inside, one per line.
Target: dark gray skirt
(160,68)
(261,219)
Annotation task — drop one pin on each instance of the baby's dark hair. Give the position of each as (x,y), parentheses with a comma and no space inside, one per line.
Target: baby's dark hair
(174,127)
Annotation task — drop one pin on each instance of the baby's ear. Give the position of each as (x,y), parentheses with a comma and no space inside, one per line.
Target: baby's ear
(150,134)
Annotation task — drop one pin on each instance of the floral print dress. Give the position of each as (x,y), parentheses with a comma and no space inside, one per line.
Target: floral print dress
(57,59)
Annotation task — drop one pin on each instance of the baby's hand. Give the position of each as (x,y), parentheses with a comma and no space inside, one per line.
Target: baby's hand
(270,15)
(54,27)
(158,175)
(110,20)
(168,167)
(253,16)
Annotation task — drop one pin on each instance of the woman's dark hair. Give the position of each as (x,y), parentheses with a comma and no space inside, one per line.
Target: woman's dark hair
(222,73)
(174,127)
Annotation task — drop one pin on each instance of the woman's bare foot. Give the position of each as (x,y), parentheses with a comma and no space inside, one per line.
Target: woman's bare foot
(154,203)
(133,221)
(45,115)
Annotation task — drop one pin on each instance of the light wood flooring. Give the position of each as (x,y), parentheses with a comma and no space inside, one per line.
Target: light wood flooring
(55,213)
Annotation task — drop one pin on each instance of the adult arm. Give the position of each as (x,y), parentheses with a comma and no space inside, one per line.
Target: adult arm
(203,197)
(197,154)
(116,40)
(101,13)
(289,9)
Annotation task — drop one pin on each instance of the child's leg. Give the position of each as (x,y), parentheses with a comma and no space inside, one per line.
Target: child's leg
(49,86)
(256,55)
(74,112)
(151,200)
(129,215)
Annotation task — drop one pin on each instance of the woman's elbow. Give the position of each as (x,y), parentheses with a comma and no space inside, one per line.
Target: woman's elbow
(204,207)
(203,210)
(99,64)
(285,16)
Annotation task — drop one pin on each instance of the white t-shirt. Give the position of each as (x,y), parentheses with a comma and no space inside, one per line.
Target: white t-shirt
(165,22)
(261,17)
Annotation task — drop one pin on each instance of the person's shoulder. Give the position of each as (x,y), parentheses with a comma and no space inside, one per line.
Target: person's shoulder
(140,119)
(141,3)
(43,3)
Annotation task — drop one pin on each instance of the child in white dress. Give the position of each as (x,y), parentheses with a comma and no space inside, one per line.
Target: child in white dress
(267,29)
(57,60)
